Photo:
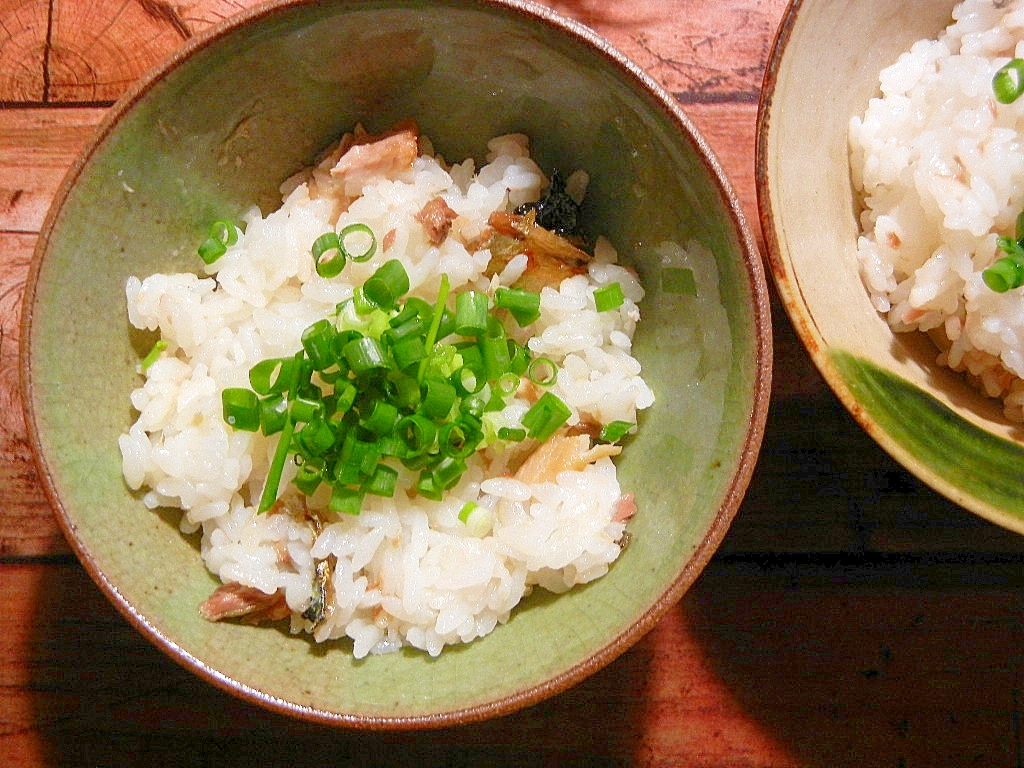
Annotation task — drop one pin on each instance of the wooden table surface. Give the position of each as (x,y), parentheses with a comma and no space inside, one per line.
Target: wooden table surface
(852,616)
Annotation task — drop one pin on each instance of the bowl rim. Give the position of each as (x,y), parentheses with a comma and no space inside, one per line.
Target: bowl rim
(761,353)
(786,283)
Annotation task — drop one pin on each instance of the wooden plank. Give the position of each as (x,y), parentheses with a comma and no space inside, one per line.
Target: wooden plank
(729,129)
(74,52)
(24,26)
(718,55)
(27,525)
(92,52)
(754,667)
(37,146)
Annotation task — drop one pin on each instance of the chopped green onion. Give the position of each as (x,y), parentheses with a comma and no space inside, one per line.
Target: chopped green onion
(241,408)
(222,235)
(614,431)
(318,341)
(381,419)
(381,384)
(472,359)
(365,354)
(347,501)
(545,416)
(523,305)
(387,284)
(269,495)
(467,381)
(303,409)
(383,481)
(403,390)
(308,478)
(678,280)
(608,297)
(471,313)
(153,355)
(363,304)
(447,472)
(494,351)
(408,352)
(458,440)
(358,232)
(475,404)
(443,361)
(478,519)
(542,371)
(315,437)
(514,434)
(328,256)
(427,487)
(507,384)
(435,321)
(271,376)
(519,358)
(438,398)
(417,432)
(467,510)
(1008,81)
(273,413)
(1007,273)
(413,308)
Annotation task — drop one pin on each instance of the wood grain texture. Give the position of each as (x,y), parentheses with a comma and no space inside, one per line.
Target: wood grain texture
(24,27)
(756,667)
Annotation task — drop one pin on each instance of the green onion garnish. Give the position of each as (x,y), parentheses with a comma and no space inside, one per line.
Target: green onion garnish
(542,371)
(678,280)
(358,232)
(269,495)
(435,322)
(222,235)
(331,250)
(523,305)
(390,384)
(471,313)
(328,257)
(389,283)
(241,408)
(1007,273)
(545,416)
(608,297)
(515,434)
(477,519)
(346,500)
(1008,81)
(153,355)
(614,431)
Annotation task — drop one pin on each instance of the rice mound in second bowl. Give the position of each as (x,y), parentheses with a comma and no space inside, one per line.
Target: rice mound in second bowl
(406,570)
(939,165)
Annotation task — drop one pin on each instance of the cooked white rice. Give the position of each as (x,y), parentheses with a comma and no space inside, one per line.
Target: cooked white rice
(406,570)
(940,165)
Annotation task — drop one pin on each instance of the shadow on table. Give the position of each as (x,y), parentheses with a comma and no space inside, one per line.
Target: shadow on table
(891,635)
(103,696)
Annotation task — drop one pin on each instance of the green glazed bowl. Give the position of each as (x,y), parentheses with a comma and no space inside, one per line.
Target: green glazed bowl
(218,128)
(926,416)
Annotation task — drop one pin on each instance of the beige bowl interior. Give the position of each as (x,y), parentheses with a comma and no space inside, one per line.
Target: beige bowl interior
(822,72)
